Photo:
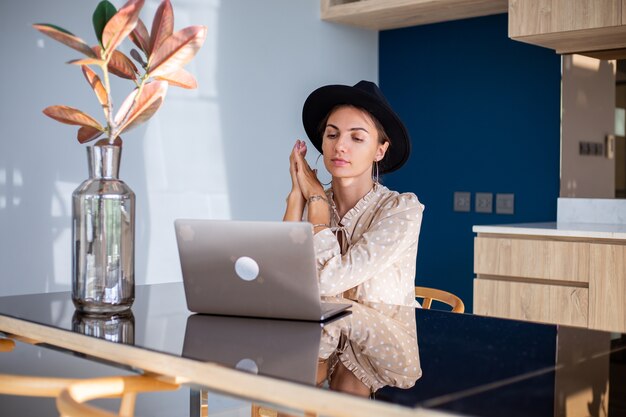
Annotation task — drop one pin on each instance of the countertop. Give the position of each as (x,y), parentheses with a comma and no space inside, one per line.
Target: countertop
(573,230)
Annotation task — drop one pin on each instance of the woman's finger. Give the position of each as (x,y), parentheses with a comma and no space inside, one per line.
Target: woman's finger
(293,169)
(292,160)
(303,148)
(301,162)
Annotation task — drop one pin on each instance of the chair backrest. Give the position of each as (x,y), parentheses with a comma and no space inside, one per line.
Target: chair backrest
(430,294)
(71,401)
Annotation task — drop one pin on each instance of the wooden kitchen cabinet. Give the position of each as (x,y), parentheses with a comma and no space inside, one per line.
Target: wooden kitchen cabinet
(569,26)
(570,280)
(391,14)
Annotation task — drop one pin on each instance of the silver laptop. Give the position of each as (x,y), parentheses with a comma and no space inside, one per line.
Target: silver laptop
(253,269)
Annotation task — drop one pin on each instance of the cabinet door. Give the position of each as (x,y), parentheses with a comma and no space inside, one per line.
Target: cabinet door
(607,288)
(530,258)
(536,17)
(555,304)
(585,14)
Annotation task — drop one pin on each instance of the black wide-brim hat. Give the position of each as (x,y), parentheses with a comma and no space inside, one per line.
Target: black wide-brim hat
(366,95)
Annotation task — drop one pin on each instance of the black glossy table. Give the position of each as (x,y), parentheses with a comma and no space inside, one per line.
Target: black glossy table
(471,365)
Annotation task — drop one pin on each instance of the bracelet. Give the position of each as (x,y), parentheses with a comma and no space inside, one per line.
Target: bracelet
(316,198)
(321,225)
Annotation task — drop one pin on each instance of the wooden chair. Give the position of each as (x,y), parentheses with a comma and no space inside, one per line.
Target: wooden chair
(430,294)
(71,401)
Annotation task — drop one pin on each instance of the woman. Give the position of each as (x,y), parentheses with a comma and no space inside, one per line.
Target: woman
(365,234)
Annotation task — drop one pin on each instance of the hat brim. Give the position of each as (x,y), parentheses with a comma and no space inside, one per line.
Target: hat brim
(324,99)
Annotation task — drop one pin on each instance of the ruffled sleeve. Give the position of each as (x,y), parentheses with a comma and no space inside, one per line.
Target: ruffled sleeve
(393,231)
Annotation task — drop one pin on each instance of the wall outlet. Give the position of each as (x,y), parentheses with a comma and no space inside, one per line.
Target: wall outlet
(591,148)
(484,203)
(505,203)
(462,201)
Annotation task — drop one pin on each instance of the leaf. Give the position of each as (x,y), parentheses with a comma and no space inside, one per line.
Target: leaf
(121,25)
(162,25)
(177,50)
(71,116)
(144,116)
(87,134)
(119,64)
(122,66)
(137,56)
(180,78)
(65,37)
(141,37)
(103,13)
(86,61)
(97,86)
(147,104)
(59,28)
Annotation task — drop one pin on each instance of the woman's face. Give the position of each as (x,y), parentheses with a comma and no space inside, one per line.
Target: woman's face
(350,143)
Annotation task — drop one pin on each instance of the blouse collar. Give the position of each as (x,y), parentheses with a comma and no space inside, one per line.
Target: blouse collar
(362,204)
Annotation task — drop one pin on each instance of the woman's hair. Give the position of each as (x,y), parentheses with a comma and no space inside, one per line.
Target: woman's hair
(382,135)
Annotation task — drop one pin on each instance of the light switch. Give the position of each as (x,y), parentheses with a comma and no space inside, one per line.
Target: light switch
(505,203)
(462,201)
(484,203)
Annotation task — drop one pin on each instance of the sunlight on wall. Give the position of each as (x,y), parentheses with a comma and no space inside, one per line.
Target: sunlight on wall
(61,222)
(10,186)
(3,188)
(18,182)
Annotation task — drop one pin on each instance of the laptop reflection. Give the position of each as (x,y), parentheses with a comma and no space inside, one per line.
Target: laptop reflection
(283,349)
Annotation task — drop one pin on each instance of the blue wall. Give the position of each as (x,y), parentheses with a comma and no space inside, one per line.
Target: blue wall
(483,113)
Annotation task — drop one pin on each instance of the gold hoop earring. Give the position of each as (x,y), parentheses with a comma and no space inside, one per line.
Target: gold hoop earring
(316,161)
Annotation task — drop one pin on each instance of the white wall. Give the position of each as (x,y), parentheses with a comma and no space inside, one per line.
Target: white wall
(217,152)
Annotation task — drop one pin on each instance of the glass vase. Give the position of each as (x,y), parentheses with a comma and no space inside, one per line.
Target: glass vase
(103,236)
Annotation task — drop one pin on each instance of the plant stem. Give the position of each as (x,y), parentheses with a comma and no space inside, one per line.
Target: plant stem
(109,110)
